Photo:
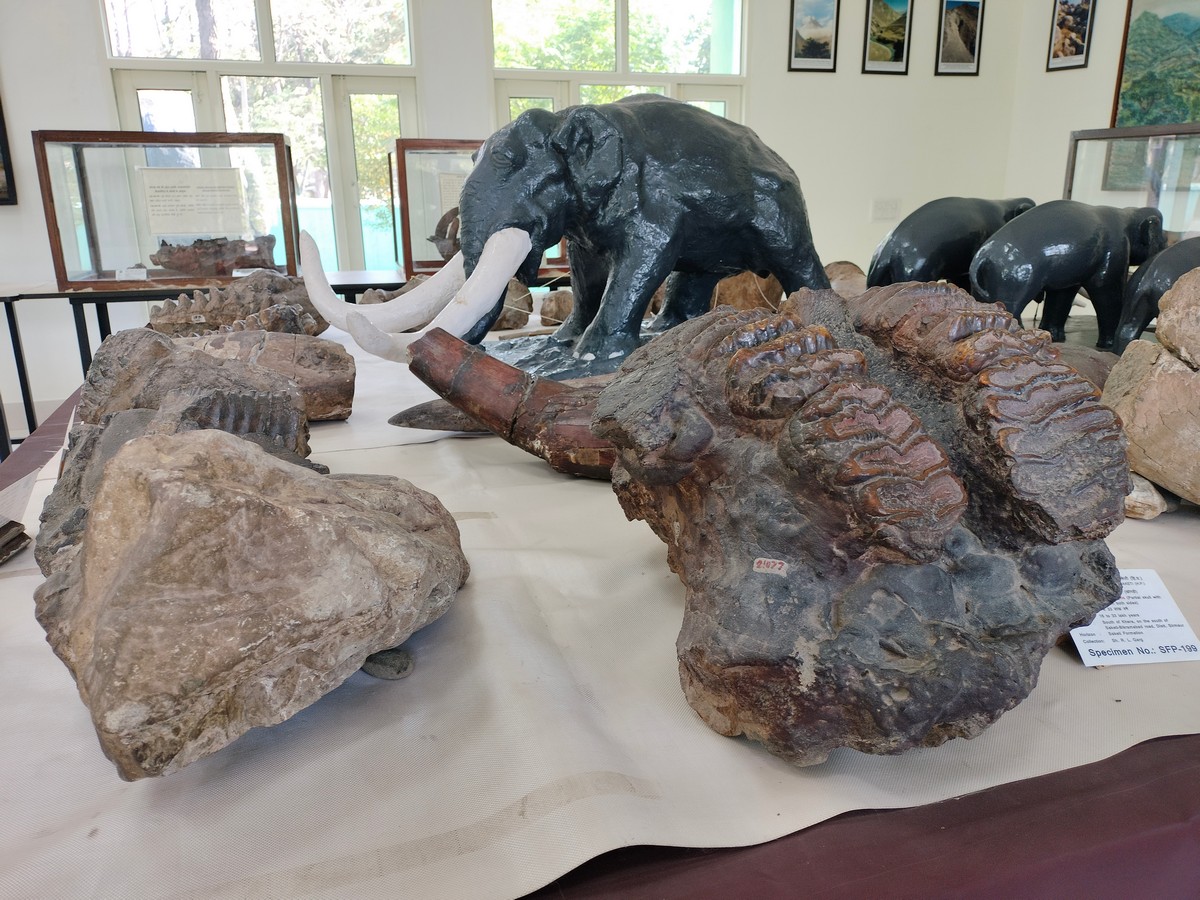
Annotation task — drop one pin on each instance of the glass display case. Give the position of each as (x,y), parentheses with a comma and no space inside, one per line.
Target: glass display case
(129,209)
(1155,166)
(430,176)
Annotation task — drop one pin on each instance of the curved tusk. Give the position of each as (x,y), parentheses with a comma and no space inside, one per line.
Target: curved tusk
(501,257)
(410,310)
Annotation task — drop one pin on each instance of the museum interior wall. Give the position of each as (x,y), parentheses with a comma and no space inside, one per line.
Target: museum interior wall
(860,143)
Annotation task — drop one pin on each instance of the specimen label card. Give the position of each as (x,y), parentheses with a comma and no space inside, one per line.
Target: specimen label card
(1144,626)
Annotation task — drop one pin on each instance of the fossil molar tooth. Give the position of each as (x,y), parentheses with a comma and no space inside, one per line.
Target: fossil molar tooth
(884,564)
(773,378)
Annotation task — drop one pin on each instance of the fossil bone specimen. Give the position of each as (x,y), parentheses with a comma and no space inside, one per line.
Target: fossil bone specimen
(180,639)
(264,300)
(273,420)
(322,369)
(885,515)
(138,368)
(543,417)
(217,256)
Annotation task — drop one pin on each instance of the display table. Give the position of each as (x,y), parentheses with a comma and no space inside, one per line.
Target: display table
(544,726)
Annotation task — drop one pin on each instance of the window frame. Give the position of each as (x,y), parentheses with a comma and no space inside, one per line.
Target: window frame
(337,81)
(564,84)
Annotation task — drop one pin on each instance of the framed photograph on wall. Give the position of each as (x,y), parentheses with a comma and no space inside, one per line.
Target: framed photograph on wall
(1070,34)
(814,35)
(885,47)
(1158,82)
(960,32)
(8,187)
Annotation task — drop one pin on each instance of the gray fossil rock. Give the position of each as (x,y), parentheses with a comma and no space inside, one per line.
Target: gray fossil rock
(181,636)
(138,368)
(322,369)
(262,299)
(885,513)
(273,421)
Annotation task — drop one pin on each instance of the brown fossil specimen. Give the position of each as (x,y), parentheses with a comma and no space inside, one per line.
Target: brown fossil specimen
(217,589)
(217,256)
(541,416)
(262,300)
(885,514)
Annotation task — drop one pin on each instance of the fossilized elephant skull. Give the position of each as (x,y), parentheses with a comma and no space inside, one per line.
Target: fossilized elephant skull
(885,514)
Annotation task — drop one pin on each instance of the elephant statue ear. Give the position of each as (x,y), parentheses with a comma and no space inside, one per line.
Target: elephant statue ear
(594,153)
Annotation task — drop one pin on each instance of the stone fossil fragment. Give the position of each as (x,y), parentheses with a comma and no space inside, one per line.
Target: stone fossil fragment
(885,514)
(273,420)
(179,638)
(247,303)
(322,369)
(217,256)
(138,368)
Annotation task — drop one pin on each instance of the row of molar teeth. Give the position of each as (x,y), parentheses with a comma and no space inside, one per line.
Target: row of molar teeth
(774,378)
(760,331)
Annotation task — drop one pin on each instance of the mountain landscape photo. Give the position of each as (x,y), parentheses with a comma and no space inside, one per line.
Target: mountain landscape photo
(887,34)
(960,32)
(812,30)
(1160,80)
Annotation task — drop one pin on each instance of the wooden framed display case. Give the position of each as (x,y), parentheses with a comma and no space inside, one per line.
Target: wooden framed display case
(142,209)
(1155,166)
(430,176)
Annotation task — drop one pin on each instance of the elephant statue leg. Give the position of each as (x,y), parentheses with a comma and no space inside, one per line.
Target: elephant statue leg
(1106,298)
(618,323)
(688,294)
(1056,311)
(589,274)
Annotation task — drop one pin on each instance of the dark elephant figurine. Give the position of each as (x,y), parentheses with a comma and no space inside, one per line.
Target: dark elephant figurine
(1153,279)
(938,240)
(641,188)
(1058,248)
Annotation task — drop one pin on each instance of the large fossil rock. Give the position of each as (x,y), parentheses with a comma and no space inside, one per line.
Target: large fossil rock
(138,368)
(1155,388)
(322,369)
(262,300)
(218,589)
(884,517)
(273,421)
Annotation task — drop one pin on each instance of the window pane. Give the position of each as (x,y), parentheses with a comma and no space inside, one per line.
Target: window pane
(342,31)
(685,36)
(716,107)
(575,35)
(607,93)
(183,29)
(375,125)
(291,106)
(518,105)
(166,110)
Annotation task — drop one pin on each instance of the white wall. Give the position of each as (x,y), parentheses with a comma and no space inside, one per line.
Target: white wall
(853,139)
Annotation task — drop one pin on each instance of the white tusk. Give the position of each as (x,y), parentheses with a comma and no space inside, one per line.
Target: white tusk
(410,310)
(501,257)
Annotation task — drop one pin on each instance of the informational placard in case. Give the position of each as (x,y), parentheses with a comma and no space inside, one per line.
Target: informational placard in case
(206,201)
(1144,626)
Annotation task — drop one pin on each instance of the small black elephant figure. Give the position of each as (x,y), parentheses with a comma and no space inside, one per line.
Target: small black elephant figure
(643,188)
(1059,247)
(939,239)
(1147,285)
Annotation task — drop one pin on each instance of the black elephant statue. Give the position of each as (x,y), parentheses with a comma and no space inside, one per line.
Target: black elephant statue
(642,189)
(938,240)
(1060,247)
(1153,279)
